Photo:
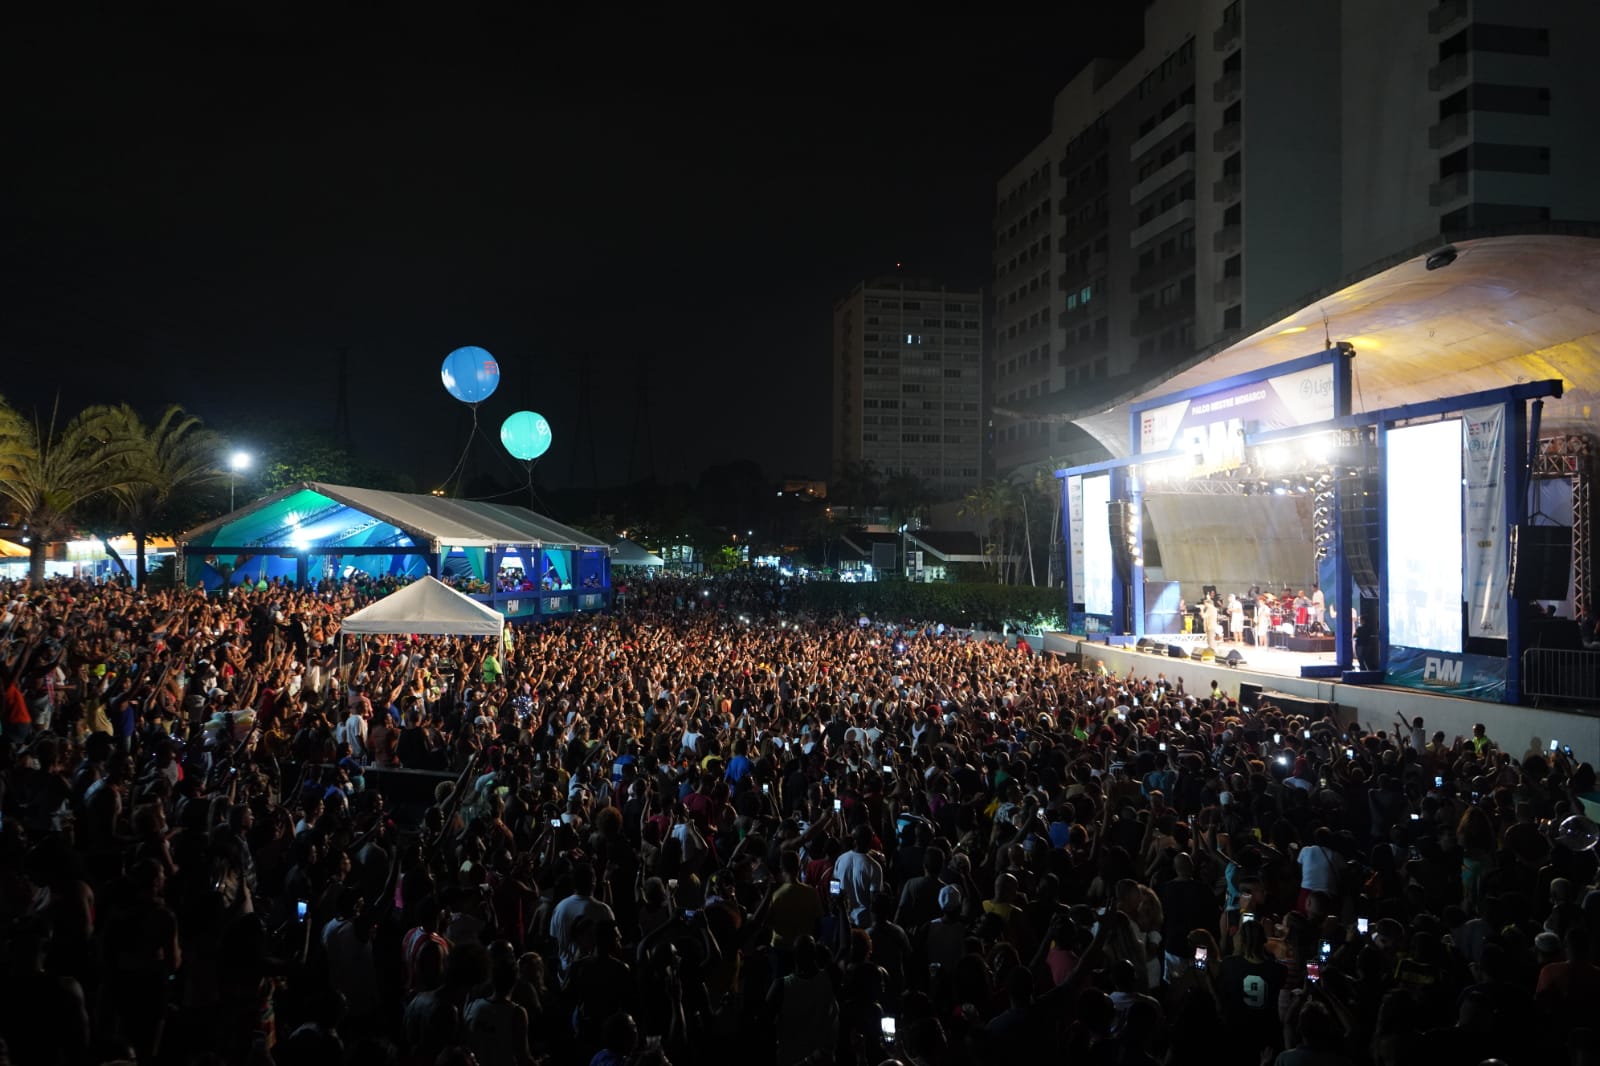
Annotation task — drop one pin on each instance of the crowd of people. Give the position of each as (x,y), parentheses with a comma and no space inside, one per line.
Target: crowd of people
(703,827)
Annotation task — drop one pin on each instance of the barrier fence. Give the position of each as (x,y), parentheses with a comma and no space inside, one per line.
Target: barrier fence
(1561,674)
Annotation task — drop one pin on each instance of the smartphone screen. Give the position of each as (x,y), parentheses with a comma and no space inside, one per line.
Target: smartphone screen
(1306,734)
(888,1030)
(835,887)
(300,907)
(555,823)
(1200,955)
(1349,753)
(838,805)
(766,789)
(1325,950)
(1161,747)
(1555,745)
(1313,972)
(1361,926)
(1438,781)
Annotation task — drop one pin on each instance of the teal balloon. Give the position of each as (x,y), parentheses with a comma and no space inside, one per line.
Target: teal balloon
(526,435)
(470,374)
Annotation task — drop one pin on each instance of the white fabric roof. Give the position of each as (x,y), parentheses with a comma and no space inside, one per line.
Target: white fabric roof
(432,520)
(627,553)
(1510,309)
(428,607)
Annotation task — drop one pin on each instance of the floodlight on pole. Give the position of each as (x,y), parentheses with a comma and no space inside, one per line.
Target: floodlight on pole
(236,462)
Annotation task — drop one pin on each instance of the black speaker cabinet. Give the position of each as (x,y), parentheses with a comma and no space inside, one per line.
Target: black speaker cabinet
(1541,562)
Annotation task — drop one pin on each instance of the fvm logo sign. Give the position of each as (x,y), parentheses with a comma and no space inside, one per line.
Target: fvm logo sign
(1441,671)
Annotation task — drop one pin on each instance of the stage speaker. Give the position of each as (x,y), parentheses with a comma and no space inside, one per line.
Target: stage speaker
(1358,507)
(1204,655)
(1541,562)
(1175,651)
(1234,658)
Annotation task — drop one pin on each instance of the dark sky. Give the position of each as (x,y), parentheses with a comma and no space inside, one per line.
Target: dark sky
(205,206)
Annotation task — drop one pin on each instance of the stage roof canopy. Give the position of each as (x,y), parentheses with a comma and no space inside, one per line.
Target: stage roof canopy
(1505,311)
(317,516)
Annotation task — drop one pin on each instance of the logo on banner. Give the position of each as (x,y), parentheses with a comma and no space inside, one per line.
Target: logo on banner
(1441,671)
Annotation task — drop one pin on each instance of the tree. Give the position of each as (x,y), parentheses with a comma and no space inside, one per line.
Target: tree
(999,503)
(49,475)
(906,496)
(174,457)
(858,484)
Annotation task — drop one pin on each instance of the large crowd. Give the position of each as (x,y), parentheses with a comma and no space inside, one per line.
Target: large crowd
(707,828)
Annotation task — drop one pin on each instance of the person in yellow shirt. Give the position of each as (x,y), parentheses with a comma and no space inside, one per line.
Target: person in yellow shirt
(795,908)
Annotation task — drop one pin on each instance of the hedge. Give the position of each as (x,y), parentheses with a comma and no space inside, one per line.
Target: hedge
(985,606)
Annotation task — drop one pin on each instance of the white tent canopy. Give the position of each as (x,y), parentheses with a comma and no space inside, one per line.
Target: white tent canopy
(627,553)
(427,607)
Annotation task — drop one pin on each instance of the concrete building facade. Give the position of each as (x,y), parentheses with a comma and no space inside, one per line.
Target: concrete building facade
(1252,154)
(907,382)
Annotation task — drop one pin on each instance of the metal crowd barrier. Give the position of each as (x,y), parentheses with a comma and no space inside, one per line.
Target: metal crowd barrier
(1561,674)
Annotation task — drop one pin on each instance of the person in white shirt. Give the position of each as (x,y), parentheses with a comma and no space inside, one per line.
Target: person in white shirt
(860,877)
(577,908)
(1319,606)
(1318,866)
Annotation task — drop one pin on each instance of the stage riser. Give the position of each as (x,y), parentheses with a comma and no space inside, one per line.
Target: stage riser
(1514,728)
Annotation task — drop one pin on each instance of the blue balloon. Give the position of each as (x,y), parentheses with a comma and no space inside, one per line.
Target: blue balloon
(526,435)
(470,374)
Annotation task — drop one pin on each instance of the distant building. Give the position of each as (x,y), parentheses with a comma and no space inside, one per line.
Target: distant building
(1249,156)
(907,388)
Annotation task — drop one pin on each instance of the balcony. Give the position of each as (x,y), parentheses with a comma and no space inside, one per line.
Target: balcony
(1449,71)
(1227,138)
(1446,190)
(1226,239)
(1172,267)
(1225,88)
(1449,130)
(1226,292)
(1226,189)
(1446,15)
(1074,271)
(1173,123)
(1075,317)
(1183,164)
(1087,142)
(1227,35)
(1160,318)
(1174,216)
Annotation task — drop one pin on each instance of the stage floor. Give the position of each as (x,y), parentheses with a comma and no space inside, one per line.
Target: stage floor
(1277,662)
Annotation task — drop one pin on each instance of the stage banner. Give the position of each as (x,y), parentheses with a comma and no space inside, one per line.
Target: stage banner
(1212,426)
(1473,677)
(1487,563)
(1075,527)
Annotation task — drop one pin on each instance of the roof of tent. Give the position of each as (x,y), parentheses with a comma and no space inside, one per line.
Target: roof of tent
(429,607)
(314,514)
(1507,309)
(627,553)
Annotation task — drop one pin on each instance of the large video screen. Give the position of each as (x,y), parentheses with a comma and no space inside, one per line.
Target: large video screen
(1423,501)
(1096,544)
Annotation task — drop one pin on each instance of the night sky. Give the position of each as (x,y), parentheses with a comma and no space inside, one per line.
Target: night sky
(206,207)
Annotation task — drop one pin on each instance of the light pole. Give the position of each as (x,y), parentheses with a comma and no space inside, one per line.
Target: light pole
(236,462)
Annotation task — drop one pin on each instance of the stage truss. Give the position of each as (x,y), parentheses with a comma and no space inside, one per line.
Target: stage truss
(1571,456)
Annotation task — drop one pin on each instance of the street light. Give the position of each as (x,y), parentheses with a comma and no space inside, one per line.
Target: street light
(236,462)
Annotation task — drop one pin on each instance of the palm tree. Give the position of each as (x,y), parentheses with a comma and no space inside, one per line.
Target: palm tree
(175,455)
(906,495)
(995,501)
(47,476)
(857,484)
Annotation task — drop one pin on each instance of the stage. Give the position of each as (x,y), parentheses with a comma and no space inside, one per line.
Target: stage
(1276,673)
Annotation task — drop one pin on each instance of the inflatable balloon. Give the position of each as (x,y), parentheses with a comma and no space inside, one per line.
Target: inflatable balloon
(1578,833)
(526,435)
(470,374)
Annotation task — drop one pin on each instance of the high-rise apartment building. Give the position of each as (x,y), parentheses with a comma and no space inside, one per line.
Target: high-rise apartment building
(907,382)
(1253,154)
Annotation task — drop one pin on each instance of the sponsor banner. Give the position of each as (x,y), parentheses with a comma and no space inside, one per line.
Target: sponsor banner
(1075,528)
(1475,677)
(1487,561)
(1212,425)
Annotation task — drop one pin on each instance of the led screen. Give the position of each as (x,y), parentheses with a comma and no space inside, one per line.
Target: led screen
(1096,545)
(1423,500)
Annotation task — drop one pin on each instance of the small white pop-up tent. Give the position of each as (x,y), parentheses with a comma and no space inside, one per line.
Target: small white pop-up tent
(427,607)
(627,553)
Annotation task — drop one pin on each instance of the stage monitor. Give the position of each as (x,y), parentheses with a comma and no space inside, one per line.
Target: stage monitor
(1422,497)
(1097,573)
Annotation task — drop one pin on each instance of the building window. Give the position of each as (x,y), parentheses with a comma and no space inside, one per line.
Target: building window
(1233,317)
